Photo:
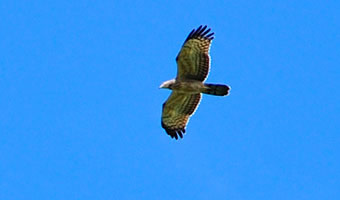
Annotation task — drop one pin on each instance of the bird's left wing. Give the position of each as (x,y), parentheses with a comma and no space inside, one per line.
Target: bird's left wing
(193,60)
(177,111)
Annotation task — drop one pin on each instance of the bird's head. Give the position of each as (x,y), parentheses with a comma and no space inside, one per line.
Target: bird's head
(167,84)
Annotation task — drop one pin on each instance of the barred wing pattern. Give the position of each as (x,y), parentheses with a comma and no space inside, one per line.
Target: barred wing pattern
(177,111)
(193,60)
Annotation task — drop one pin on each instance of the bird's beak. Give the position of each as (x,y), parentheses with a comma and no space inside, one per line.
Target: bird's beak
(161,86)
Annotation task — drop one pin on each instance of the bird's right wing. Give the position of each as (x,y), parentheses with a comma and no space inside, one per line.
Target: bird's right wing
(176,112)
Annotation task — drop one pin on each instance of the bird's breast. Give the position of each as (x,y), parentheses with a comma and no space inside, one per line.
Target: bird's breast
(191,86)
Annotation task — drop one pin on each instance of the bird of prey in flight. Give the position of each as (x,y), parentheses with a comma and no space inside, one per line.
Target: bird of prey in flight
(193,63)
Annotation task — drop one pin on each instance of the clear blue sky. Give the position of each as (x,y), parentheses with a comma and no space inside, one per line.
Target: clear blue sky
(80,106)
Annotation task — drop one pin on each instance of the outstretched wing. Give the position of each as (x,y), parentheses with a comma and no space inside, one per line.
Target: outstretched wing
(193,60)
(177,111)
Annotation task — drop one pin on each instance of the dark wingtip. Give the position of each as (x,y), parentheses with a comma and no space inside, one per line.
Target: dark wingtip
(200,32)
(174,133)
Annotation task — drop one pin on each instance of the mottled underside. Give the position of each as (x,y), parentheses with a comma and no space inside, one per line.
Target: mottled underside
(193,63)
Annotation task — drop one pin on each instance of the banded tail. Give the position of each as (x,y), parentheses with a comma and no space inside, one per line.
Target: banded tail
(216,89)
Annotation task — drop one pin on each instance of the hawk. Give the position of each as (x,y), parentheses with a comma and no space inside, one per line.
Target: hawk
(193,63)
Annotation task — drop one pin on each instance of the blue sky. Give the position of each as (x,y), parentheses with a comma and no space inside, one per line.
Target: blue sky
(80,104)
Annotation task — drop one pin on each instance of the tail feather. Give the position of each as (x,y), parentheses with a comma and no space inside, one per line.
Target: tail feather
(216,89)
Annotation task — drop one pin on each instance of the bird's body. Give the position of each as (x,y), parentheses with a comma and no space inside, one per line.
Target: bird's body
(193,63)
(187,86)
